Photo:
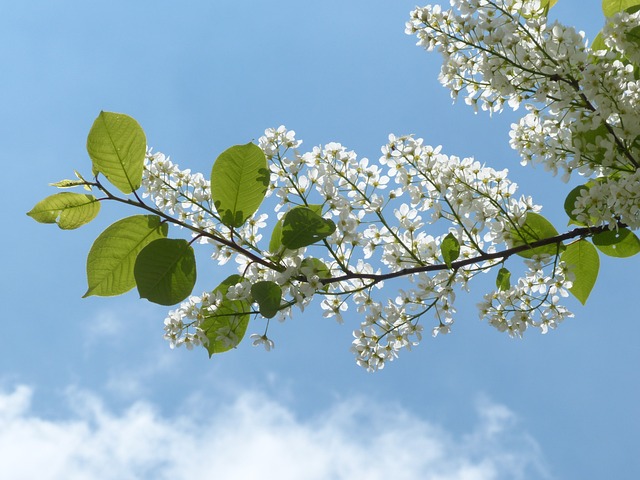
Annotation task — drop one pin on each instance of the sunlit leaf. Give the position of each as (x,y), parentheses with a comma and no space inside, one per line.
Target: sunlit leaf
(268,295)
(547,4)
(316,267)
(619,243)
(611,7)
(583,260)
(117,146)
(68,183)
(165,271)
(302,227)
(592,138)
(112,257)
(239,181)
(598,43)
(535,228)
(275,244)
(227,324)
(450,248)
(570,201)
(69,210)
(276,238)
(503,280)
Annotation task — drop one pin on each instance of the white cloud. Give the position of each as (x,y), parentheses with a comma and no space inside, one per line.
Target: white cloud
(105,325)
(256,437)
(132,381)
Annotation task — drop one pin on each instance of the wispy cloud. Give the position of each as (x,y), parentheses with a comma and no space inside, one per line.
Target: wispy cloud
(255,436)
(106,324)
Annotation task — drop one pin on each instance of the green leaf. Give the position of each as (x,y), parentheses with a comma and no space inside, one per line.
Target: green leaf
(450,248)
(633,36)
(535,228)
(68,210)
(570,201)
(227,283)
(611,7)
(598,43)
(226,326)
(165,271)
(239,181)
(112,257)
(592,137)
(229,319)
(80,177)
(117,146)
(316,267)
(583,260)
(68,183)
(622,243)
(503,280)
(275,244)
(316,208)
(547,4)
(268,295)
(302,227)
(276,238)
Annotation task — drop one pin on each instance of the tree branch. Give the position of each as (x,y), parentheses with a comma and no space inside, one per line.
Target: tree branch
(581,232)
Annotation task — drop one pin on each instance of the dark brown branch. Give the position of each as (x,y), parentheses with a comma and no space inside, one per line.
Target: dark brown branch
(581,232)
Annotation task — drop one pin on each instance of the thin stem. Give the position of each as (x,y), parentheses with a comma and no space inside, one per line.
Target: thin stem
(229,243)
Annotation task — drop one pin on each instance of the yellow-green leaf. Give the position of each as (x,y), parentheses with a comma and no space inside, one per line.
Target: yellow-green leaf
(276,238)
(450,248)
(503,280)
(535,228)
(239,181)
(226,326)
(547,4)
(619,243)
(570,201)
(611,7)
(68,183)
(111,260)
(117,146)
(583,260)
(598,43)
(69,210)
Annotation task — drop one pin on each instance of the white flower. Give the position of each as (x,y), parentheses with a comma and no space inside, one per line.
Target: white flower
(263,340)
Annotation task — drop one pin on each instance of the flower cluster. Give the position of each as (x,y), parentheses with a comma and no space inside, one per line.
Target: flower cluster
(610,201)
(380,211)
(532,301)
(582,104)
(182,326)
(479,203)
(178,192)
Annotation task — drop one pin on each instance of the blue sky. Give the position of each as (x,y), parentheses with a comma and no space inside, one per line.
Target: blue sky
(90,383)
